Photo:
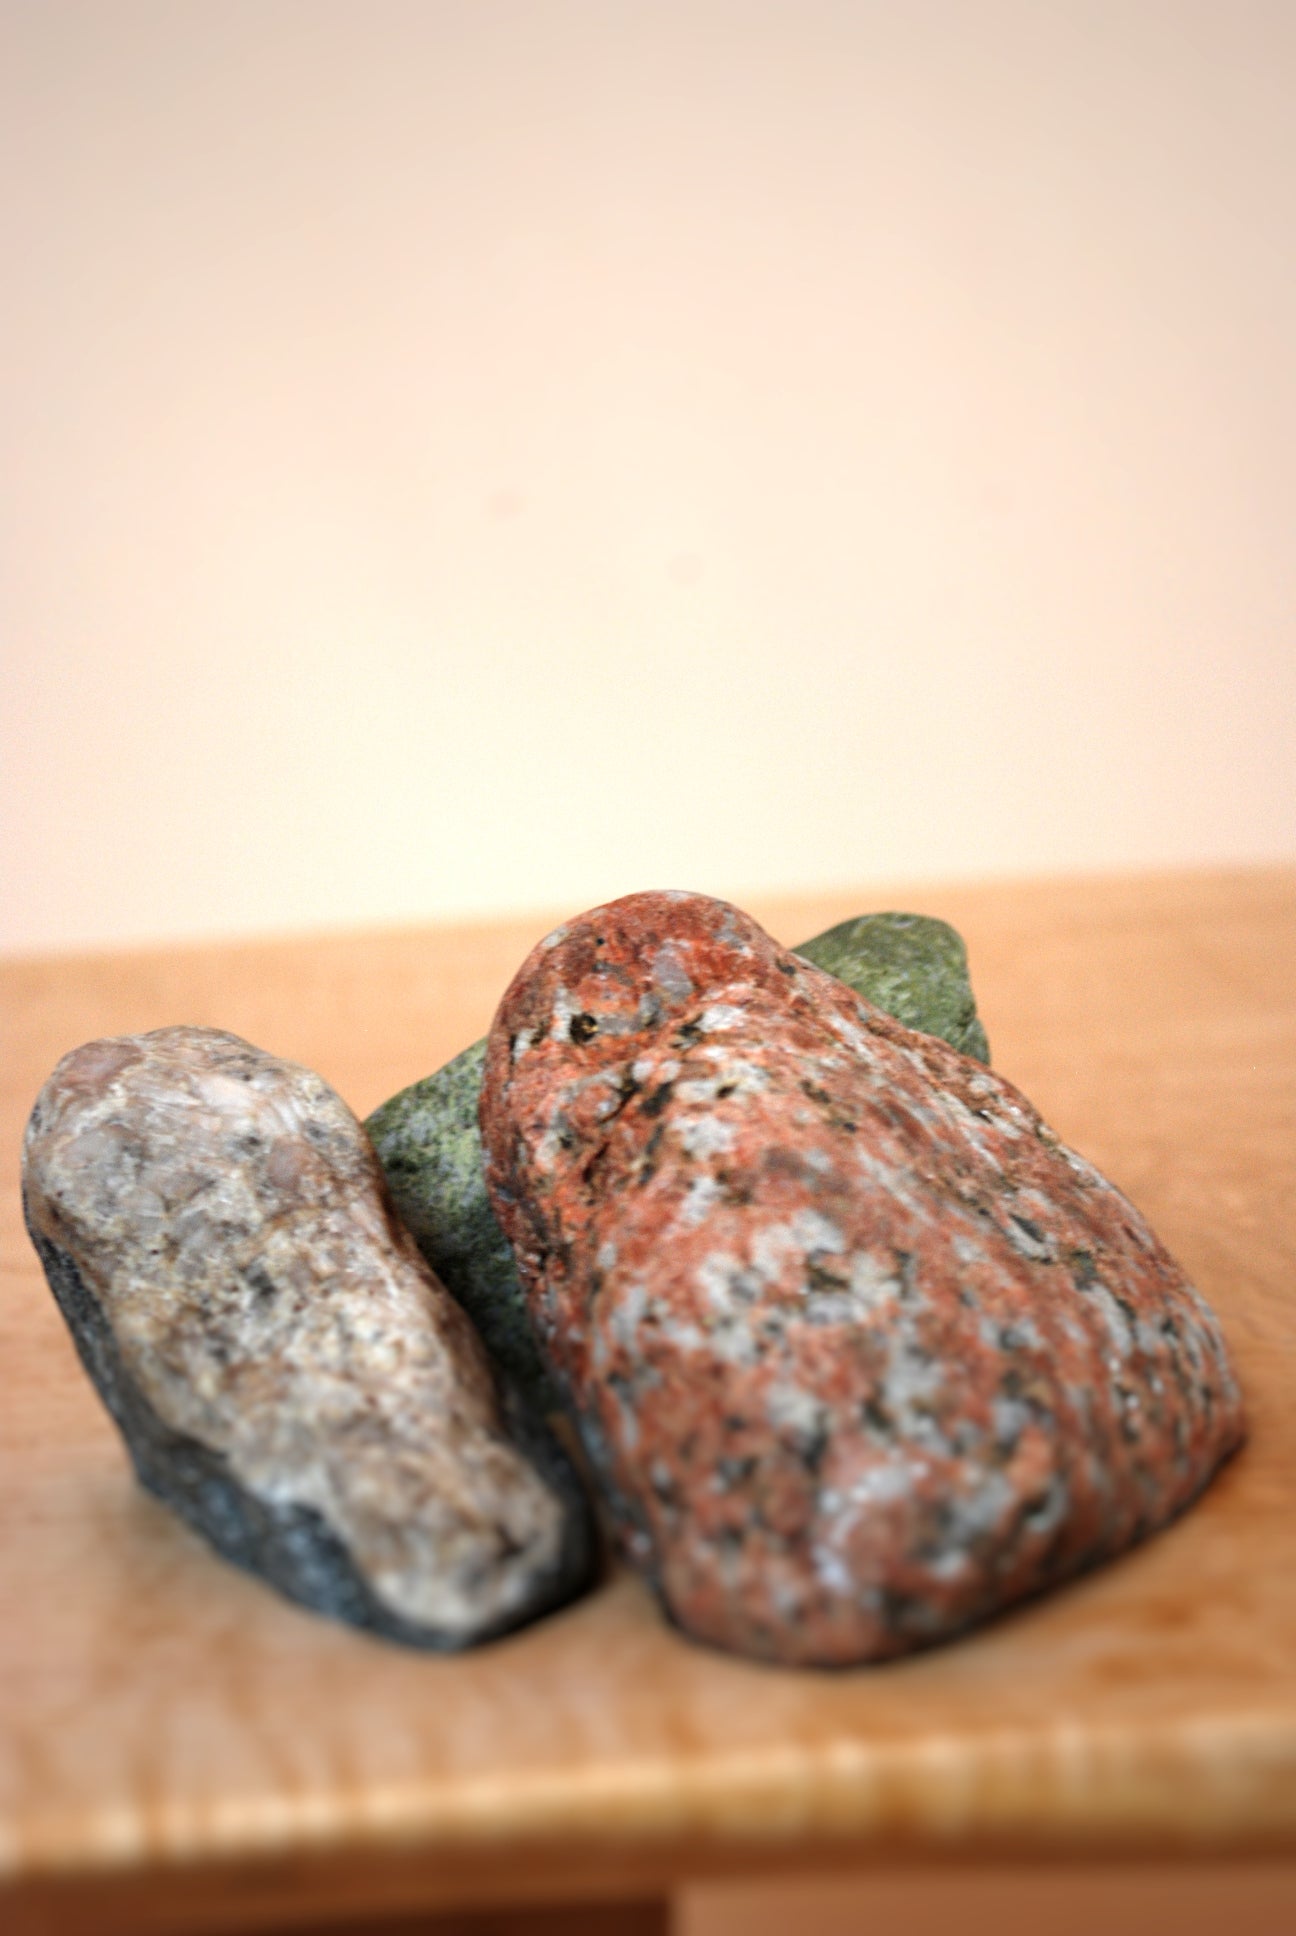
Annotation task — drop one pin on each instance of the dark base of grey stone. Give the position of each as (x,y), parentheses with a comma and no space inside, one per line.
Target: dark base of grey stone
(291,1547)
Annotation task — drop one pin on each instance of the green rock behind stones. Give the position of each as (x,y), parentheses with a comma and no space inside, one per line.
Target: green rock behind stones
(429,1144)
(430,1148)
(911,966)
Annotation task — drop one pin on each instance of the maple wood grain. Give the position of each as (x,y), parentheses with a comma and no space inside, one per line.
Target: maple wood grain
(181,1750)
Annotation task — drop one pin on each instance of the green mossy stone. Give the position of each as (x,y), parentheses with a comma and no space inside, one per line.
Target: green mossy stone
(429,1143)
(912,967)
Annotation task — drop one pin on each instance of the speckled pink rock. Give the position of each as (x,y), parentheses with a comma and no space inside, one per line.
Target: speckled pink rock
(860,1351)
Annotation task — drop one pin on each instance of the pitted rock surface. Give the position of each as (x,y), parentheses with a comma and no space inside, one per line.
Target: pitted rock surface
(429,1143)
(286,1371)
(861,1352)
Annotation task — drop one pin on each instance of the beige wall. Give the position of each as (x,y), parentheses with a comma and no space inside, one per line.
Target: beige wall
(486,455)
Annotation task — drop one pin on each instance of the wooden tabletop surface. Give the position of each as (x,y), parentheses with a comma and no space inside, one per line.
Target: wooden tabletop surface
(181,1749)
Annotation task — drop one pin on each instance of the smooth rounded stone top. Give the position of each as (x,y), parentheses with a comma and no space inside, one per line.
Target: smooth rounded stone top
(860,1351)
(286,1370)
(910,966)
(429,1143)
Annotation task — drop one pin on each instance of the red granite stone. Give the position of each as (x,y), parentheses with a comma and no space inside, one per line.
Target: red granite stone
(860,1351)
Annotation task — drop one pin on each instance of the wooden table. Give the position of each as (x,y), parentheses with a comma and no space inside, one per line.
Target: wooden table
(181,1750)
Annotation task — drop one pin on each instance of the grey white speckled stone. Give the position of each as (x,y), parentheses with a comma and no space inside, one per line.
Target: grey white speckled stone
(429,1143)
(286,1372)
